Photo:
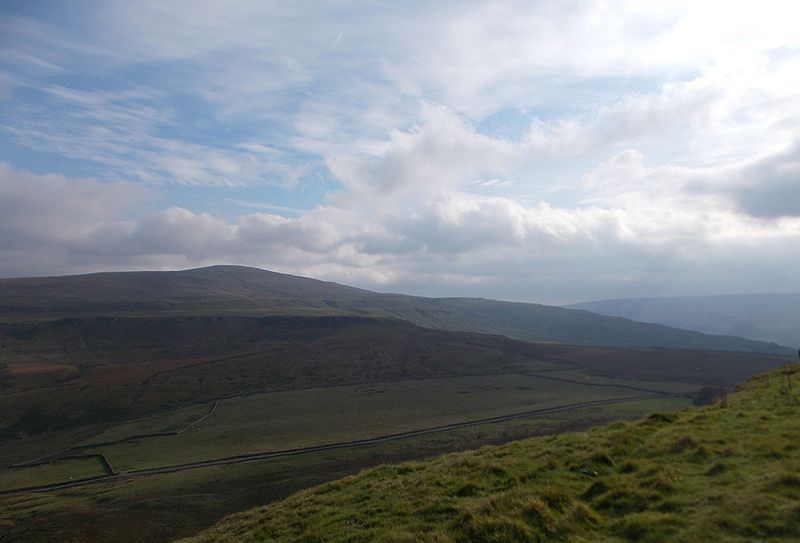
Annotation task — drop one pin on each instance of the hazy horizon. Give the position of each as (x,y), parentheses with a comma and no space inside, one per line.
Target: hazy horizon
(527,151)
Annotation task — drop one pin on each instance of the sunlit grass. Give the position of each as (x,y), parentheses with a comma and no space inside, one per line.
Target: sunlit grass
(705,474)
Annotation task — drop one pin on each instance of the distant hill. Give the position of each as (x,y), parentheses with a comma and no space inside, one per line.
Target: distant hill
(687,476)
(237,290)
(764,317)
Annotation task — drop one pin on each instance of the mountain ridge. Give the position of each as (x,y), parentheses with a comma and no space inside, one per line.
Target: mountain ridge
(241,290)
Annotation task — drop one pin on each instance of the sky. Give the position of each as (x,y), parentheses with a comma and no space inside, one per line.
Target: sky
(541,151)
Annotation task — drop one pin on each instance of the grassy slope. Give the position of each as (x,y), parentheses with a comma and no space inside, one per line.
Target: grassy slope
(236,290)
(166,507)
(704,474)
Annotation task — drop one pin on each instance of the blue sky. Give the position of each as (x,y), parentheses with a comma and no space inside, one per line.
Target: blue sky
(539,151)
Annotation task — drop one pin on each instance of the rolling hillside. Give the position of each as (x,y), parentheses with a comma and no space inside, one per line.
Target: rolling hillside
(73,372)
(763,317)
(146,406)
(688,476)
(236,290)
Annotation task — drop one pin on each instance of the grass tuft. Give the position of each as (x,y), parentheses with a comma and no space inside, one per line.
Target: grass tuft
(662,417)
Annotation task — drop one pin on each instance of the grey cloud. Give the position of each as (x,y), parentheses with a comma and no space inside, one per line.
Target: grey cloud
(309,232)
(47,210)
(454,224)
(767,187)
(180,231)
(770,188)
(772,200)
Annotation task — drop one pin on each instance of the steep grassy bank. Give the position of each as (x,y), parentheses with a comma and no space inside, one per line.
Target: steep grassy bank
(727,472)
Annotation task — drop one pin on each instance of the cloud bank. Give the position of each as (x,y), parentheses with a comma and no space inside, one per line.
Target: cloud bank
(533,151)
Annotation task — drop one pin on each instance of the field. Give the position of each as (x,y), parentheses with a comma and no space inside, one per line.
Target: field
(304,418)
(162,507)
(67,469)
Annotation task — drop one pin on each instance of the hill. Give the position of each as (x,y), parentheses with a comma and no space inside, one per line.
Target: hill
(763,317)
(149,428)
(211,289)
(726,472)
(73,372)
(146,406)
(236,290)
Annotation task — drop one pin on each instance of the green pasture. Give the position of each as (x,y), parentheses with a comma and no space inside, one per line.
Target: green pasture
(302,418)
(171,421)
(55,472)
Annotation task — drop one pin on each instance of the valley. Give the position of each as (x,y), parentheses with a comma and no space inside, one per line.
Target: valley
(167,422)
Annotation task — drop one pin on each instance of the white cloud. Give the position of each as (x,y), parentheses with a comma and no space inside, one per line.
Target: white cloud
(660,151)
(643,234)
(442,151)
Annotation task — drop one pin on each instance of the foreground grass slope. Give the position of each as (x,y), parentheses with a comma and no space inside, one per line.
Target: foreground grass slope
(727,472)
